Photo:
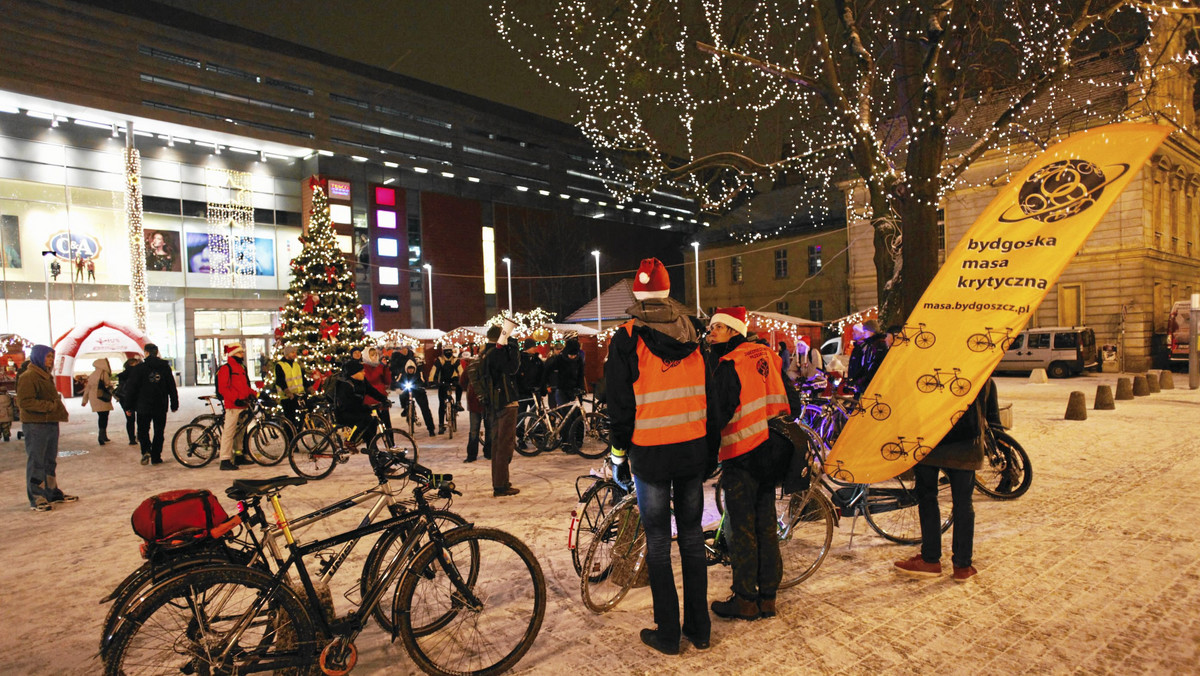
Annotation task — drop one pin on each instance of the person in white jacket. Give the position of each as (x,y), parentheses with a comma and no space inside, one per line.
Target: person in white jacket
(98,393)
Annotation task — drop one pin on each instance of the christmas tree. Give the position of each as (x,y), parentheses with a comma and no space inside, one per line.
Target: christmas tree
(322,318)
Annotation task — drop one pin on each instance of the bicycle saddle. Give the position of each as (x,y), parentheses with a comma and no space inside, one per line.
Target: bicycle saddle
(247,488)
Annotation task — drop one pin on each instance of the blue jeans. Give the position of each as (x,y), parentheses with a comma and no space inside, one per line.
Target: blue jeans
(962,484)
(41,447)
(654,502)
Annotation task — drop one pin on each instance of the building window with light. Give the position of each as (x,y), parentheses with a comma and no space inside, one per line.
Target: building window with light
(710,273)
(781,264)
(735,269)
(816,310)
(782,307)
(814,259)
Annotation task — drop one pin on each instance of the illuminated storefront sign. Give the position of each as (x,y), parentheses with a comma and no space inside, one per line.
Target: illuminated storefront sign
(339,190)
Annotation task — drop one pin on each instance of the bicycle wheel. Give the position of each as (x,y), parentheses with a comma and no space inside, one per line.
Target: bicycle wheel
(195,445)
(539,437)
(805,536)
(391,543)
(881,411)
(927,383)
(394,441)
(184,626)
(530,430)
(136,586)
(960,386)
(1006,473)
(595,504)
(489,623)
(616,558)
(266,443)
(978,342)
(313,454)
(592,439)
(925,340)
(891,508)
(892,451)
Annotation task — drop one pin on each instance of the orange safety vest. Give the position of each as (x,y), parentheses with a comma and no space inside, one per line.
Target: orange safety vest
(763,397)
(671,402)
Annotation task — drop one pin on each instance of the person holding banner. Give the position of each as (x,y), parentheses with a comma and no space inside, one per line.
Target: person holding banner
(748,390)
(870,347)
(958,455)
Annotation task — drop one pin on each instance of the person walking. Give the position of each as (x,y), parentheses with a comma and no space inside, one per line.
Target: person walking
(445,374)
(42,409)
(122,397)
(233,386)
(6,413)
(98,392)
(151,388)
(502,360)
(290,385)
(747,390)
(378,376)
(959,454)
(656,378)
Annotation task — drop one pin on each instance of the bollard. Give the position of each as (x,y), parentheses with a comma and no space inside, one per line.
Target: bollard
(1076,407)
(1038,376)
(1104,399)
(1152,381)
(1165,380)
(1124,389)
(1140,388)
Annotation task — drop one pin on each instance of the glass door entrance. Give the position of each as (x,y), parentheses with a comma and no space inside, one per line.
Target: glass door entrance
(210,355)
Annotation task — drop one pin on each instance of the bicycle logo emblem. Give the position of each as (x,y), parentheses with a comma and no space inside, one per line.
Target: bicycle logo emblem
(936,381)
(921,338)
(878,409)
(896,450)
(978,342)
(669,364)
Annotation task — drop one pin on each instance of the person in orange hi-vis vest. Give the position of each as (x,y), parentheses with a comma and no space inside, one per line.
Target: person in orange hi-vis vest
(748,390)
(658,411)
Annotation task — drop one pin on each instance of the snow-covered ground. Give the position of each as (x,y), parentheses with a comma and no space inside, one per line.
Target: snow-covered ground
(1096,569)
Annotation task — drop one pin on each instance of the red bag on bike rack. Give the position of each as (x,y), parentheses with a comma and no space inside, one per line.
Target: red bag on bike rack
(162,515)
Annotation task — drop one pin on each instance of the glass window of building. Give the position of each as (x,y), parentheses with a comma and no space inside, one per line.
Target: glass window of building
(816,310)
(710,273)
(814,259)
(782,307)
(735,269)
(781,264)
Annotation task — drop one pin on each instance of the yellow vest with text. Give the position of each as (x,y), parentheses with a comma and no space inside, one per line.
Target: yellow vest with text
(294,382)
(763,397)
(671,403)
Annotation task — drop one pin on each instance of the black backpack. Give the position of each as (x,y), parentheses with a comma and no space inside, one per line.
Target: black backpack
(481,382)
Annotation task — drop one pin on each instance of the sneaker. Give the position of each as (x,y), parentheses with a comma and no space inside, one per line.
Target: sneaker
(964,574)
(696,641)
(918,567)
(651,638)
(145,458)
(736,608)
(41,505)
(227,465)
(63,497)
(156,461)
(441,430)
(242,460)
(504,492)
(766,607)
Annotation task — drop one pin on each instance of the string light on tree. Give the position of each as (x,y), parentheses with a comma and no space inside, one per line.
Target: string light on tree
(138,295)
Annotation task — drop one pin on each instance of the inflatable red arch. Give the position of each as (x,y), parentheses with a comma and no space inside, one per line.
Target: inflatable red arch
(102,336)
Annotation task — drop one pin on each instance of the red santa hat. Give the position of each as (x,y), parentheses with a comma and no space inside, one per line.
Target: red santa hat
(733,317)
(233,348)
(651,281)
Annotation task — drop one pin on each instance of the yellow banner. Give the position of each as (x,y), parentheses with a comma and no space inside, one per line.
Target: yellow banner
(983,296)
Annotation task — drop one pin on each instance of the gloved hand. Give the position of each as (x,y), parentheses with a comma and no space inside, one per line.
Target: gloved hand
(241,403)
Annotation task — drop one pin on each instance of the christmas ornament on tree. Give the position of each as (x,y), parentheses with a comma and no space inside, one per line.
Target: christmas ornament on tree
(323,317)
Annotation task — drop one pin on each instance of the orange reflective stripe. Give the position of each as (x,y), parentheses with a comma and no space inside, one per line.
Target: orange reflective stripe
(671,402)
(762,397)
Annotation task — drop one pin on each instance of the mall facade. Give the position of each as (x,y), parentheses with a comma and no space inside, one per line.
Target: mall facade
(430,189)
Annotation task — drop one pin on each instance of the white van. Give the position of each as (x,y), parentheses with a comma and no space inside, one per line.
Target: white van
(831,356)
(1061,350)
(1178,329)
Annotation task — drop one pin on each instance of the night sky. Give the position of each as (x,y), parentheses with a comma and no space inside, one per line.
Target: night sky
(452,43)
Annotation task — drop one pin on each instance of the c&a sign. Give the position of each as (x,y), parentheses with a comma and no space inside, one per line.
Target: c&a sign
(71,245)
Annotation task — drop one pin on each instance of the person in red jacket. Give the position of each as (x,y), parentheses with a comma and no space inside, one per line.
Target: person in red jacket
(380,377)
(233,386)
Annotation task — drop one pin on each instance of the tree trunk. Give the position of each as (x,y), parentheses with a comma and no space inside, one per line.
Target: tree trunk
(918,216)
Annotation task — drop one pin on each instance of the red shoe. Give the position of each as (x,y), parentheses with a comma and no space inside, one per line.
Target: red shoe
(964,574)
(918,567)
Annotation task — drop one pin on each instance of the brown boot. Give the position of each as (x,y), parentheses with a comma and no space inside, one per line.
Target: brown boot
(766,607)
(736,608)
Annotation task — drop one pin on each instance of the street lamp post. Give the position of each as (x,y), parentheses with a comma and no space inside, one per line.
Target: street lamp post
(46,279)
(508,264)
(429,269)
(599,313)
(1194,339)
(696,253)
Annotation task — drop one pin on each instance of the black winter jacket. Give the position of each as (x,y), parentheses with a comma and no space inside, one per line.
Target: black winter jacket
(151,386)
(502,363)
(532,376)
(565,373)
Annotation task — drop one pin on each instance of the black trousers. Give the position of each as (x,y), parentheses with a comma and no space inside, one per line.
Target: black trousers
(130,424)
(102,424)
(151,446)
(748,482)
(962,484)
(422,402)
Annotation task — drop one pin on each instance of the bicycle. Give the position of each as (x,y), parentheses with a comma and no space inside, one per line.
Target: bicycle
(978,342)
(262,547)
(605,492)
(197,443)
(929,382)
(895,450)
(314,453)
(570,426)
(922,338)
(616,557)
(226,618)
(878,409)
(449,421)
(1007,473)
